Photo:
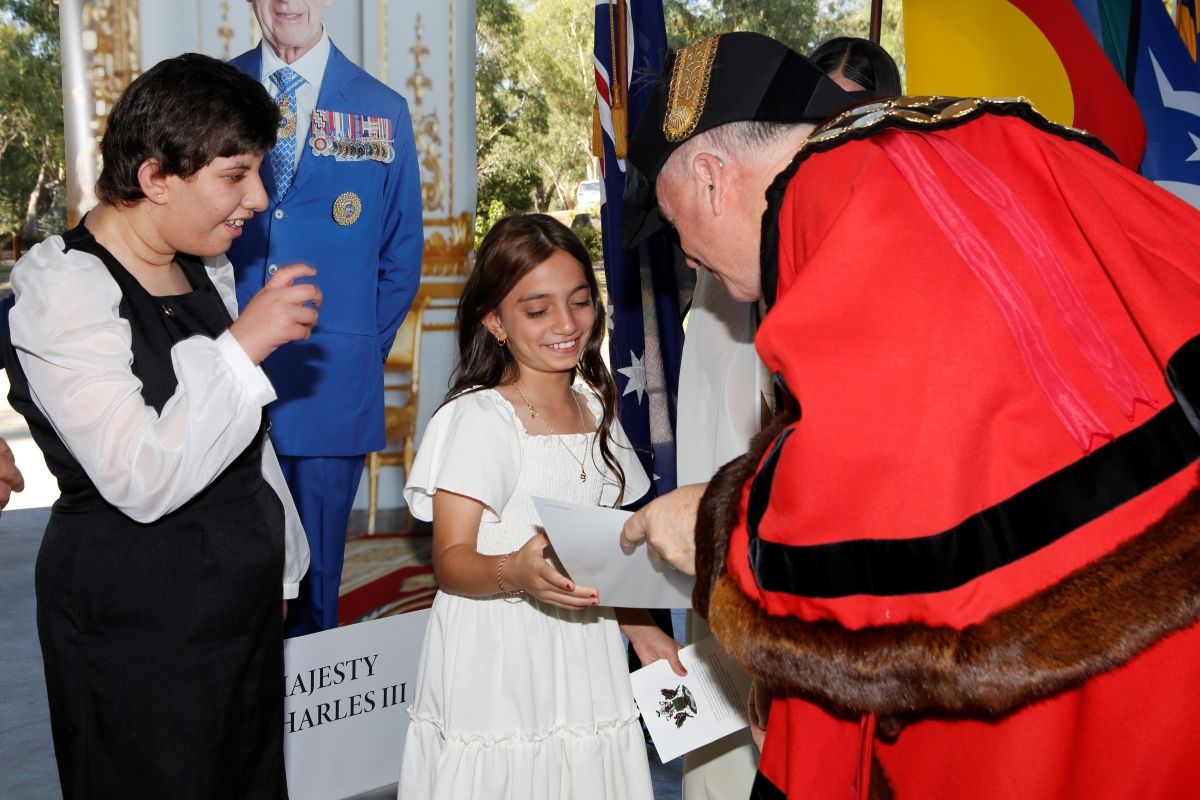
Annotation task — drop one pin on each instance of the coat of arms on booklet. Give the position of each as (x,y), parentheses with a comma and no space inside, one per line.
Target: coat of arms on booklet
(682,714)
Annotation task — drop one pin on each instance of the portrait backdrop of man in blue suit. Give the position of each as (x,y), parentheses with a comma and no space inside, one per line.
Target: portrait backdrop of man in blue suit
(345,198)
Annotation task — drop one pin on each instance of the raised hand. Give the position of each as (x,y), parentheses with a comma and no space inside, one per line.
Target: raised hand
(281,312)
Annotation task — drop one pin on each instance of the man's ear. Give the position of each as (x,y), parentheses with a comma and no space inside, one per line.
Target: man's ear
(709,171)
(152,182)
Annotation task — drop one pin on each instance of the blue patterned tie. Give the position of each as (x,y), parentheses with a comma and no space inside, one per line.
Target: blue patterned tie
(283,154)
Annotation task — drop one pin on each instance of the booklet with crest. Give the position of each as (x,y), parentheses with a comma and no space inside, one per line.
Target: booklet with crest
(587,542)
(685,712)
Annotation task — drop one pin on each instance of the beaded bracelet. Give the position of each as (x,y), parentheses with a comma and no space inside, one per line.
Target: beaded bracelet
(500,566)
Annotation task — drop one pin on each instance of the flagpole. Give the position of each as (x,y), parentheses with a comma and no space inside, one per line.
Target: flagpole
(876,20)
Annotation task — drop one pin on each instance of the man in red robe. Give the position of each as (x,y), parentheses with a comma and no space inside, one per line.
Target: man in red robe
(966,555)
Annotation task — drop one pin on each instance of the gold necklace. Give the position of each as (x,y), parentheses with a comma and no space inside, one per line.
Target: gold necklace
(533,414)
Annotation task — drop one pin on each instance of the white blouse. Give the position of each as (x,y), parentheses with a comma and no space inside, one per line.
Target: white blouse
(76,352)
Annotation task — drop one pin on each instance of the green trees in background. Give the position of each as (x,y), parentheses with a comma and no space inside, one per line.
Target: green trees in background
(509,116)
(800,25)
(535,82)
(533,103)
(32,201)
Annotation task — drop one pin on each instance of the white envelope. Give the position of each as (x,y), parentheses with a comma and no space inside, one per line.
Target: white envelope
(587,540)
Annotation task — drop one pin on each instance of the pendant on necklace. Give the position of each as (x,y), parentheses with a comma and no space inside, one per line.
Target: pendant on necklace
(582,475)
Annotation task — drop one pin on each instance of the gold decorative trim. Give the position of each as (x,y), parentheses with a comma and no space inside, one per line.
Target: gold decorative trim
(112,48)
(225,31)
(439,327)
(448,254)
(448,291)
(426,134)
(921,111)
(381,25)
(689,88)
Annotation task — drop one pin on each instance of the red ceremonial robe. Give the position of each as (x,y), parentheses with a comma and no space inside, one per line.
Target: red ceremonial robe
(969,561)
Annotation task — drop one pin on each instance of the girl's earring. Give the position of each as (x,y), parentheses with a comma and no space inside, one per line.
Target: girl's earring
(501,342)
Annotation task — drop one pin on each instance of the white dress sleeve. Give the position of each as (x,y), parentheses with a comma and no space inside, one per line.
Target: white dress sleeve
(636,481)
(470,447)
(295,543)
(76,352)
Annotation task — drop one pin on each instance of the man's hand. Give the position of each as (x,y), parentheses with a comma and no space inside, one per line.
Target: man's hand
(668,525)
(11,479)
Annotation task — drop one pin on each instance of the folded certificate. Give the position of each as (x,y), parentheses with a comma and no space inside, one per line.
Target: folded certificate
(683,713)
(587,541)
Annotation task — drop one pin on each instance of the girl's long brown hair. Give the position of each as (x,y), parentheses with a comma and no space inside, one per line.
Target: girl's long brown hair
(511,249)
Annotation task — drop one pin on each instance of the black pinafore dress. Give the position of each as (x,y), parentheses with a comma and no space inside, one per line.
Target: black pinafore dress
(162,642)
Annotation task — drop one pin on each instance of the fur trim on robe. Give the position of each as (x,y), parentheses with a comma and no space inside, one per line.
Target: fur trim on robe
(1097,619)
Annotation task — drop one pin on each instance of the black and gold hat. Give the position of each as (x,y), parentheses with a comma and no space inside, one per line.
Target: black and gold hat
(732,77)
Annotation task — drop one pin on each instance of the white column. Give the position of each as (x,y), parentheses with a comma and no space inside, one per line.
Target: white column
(77,113)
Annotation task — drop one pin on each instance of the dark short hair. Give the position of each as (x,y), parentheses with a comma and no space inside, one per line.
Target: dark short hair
(862,61)
(183,112)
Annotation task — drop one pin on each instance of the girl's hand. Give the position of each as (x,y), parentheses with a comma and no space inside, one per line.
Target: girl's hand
(281,312)
(11,479)
(649,641)
(528,570)
(758,706)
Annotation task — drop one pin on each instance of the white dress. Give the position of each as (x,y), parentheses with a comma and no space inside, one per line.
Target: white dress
(516,699)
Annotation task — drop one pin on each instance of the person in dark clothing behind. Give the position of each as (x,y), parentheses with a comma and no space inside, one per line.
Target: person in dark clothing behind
(858,64)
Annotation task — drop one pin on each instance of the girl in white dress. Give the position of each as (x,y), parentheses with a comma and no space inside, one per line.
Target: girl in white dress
(523,691)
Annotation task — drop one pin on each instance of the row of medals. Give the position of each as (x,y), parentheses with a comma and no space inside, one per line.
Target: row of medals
(324,144)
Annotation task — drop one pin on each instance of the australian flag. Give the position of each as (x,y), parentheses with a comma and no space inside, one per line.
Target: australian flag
(1166,87)
(646,334)
(1161,73)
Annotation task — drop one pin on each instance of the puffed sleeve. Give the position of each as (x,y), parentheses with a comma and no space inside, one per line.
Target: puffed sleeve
(470,447)
(295,543)
(76,352)
(636,481)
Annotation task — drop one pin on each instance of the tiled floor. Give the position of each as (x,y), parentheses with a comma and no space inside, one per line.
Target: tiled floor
(27,769)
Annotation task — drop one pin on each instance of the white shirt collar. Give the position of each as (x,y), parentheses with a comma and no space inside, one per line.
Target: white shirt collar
(310,66)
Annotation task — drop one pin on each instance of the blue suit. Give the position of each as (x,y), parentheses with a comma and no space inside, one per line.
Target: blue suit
(330,387)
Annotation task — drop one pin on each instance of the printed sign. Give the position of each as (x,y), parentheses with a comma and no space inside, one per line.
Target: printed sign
(345,714)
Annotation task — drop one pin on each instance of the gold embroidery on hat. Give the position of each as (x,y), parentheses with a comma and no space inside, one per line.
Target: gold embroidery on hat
(689,88)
